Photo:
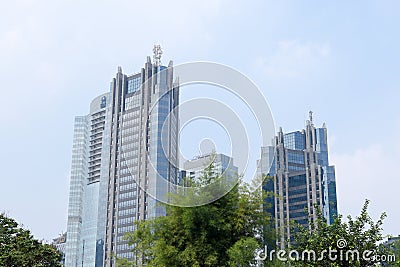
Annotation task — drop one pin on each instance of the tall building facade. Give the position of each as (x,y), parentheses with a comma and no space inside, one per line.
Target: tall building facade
(88,171)
(124,160)
(302,179)
(222,165)
(144,151)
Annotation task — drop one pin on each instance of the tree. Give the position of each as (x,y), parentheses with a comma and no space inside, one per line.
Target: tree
(397,252)
(225,232)
(18,247)
(241,254)
(351,243)
(394,249)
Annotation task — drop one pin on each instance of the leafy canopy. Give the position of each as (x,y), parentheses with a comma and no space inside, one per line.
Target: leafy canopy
(18,248)
(354,236)
(225,232)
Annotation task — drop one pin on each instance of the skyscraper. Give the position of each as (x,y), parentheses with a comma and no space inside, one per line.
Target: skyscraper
(124,161)
(222,165)
(144,147)
(89,169)
(302,178)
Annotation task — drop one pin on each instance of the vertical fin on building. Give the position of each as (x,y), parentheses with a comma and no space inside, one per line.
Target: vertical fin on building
(176,82)
(280,135)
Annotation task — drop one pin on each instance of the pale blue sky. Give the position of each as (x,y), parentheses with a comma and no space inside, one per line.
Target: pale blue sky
(339,58)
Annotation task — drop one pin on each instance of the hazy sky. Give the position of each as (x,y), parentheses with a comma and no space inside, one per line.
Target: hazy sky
(339,58)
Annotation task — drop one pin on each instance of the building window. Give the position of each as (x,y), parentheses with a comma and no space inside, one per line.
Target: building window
(133,85)
(103,102)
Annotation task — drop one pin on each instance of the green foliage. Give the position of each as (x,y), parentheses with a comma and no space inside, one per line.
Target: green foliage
(361,234)
(241,254)
(394,249)
(222,233)
(18,247)
(397,252)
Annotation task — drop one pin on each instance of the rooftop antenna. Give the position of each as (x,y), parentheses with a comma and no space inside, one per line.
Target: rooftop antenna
(157,53)
(310,115)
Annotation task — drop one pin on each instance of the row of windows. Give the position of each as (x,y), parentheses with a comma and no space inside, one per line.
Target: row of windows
(123,247)
(297,180)
(128,255)
(296,168)
(126,179)
(126,212)
(131,122)
(79,147)
(133,85)
(298,199)
(128,186)
(129,169)
(131,104)
(130,137)
(130,114)
(128,161)
(79,134)
(130,156)
(133,145)
(127,195)
(296,157)
(124,126)
(297,192)
(125,220)
(128,129)
(293,196)
(298,207)
(297,214)
(123,204)
(126,229)
(294,140)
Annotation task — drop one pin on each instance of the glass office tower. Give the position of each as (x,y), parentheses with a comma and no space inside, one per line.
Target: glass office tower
(144,147)
(124,160)
(89,170)
(302,178)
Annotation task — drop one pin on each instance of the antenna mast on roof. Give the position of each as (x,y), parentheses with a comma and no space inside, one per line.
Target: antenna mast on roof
(310,115)
(157,53)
